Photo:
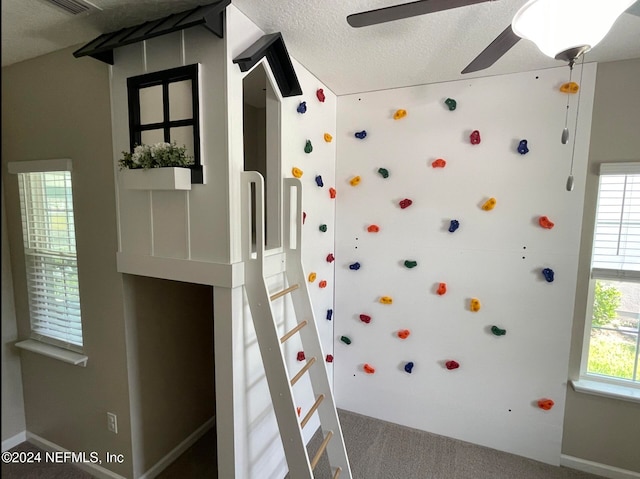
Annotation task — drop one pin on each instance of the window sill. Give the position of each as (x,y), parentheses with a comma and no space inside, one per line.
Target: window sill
(615,391)
(71,357)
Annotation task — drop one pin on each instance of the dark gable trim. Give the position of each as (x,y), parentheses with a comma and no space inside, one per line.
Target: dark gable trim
(272,46)
(209,16)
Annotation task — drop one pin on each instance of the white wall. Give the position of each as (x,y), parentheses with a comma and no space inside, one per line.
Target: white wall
(495,256)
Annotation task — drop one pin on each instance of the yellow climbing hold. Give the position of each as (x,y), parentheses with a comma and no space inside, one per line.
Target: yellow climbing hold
(312,277)
(297,172)
(355,181)
(328,137)
(399,114)
(475,305)
(489,204)
(386,300)
(569,87)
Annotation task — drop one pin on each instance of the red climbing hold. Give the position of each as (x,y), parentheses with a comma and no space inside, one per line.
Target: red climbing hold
(320,95)
(322,284)
(405,203)
(369,369)
(299,409)
(301,356)
(474,137)
(373,228)
(329,358)
(332,192)
(545,404)
(365,318)
(546,222)
(330,258)
(439,163)
(452,365)
(404,333)
(304,217)
(442,288)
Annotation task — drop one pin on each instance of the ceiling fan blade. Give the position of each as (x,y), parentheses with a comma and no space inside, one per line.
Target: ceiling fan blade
(501,45)
(405,10)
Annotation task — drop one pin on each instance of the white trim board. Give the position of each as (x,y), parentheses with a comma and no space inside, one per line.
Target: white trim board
(603,470)
(13,441)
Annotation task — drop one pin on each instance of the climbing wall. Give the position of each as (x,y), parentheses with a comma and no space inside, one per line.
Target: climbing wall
(456,255)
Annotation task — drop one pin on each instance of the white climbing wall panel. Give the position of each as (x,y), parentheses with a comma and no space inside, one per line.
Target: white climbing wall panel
(496,256)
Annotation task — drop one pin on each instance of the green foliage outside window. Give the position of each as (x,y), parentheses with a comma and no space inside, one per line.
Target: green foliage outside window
(606,301)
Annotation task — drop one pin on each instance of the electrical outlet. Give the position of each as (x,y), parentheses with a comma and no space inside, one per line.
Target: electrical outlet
(112,422)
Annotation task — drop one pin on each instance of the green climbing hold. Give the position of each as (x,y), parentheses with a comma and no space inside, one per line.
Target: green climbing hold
(323,228)
(451,103)
(345,340)
(383,172)
(308,148)
(497,331)
(410,264)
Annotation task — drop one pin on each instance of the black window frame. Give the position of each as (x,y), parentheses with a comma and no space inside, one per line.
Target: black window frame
(164,78)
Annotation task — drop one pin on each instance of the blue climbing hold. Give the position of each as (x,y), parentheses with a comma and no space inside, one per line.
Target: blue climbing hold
(361,135)
(319,181)
(355,266)
(548,274)
(329,314)
(522,147)
(455,224)
(408,367)
(302,107)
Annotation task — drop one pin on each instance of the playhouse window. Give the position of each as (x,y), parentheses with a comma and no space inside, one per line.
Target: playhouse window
(163,107)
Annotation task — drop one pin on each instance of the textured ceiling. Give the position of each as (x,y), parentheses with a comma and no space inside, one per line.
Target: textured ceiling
(425,49)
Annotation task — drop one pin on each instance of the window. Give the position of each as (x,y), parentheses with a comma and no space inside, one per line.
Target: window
(46,207)
(164,107)
(613,351)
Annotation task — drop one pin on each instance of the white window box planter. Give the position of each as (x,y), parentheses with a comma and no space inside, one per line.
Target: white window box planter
(156,179)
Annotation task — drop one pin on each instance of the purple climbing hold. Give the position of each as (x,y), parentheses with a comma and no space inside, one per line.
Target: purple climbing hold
(329,314)
(302,107)
(548,274)
(319,181)
(361,135)
(355,266)
(522,147)
(455,224)
(408,367)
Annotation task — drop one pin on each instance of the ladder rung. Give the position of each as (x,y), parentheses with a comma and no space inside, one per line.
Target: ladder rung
(337,474)
(298,327)
(304,369)
(283,292)
(312,410)
(323,446)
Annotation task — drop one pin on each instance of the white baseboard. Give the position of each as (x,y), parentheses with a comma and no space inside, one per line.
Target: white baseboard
(177,451)
(14,441)
(597,468)
(94,469)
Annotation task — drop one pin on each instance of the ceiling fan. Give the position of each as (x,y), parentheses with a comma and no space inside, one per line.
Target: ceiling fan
(551,24)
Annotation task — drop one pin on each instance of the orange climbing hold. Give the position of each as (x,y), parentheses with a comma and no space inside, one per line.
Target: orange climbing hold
(545,404)
(328,137)
(312,277)
(570,87)
(404,333)
(489,204)
(475,305)
(386,300)
(439,163)
(369,369)
(355,181)
(442,288)
(399,114)
(546,222)
(299,409)
(297,172)
(322,284)
(373,228)
(332,192)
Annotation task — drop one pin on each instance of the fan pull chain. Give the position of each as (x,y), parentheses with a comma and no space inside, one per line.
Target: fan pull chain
(575,133)
(565,131)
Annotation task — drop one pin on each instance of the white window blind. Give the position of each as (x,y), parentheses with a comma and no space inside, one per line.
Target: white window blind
(50,254)
(616,243)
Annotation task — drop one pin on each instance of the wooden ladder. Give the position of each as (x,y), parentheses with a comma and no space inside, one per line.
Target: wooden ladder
(280,383)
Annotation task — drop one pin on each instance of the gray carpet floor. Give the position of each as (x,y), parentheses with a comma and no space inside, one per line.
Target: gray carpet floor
(377,450)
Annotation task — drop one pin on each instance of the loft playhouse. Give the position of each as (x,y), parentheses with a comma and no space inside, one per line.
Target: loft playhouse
(230,221)
(471,364)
